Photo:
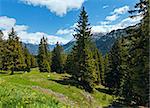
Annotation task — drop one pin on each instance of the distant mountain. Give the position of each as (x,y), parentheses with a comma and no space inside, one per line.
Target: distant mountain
(68,47)
(104,42)
(33,48)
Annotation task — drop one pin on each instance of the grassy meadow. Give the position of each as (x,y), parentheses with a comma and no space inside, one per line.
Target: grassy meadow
(47,90)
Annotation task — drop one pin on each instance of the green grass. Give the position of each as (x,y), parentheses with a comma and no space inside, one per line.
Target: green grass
(38,89)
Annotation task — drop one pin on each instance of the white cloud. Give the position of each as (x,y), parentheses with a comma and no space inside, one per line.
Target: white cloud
(112,17)
(104,22)
(60,7)
(106,6)
(35,37)
(20,28)
(64,31)
(7,23)
(117,12)
(104,28)
(100,28)
(121,10)
(74,25)
(68,32)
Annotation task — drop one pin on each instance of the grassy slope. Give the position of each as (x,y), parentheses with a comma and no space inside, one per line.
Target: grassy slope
(39,84)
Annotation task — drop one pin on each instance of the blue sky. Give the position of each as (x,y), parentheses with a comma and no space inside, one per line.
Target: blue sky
(56,19)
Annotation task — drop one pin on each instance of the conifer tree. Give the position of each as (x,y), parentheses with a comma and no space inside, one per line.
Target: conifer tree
(69,64)
(27,59)
(85,70)
(101,67)
(106,69)
(14,58)
(97,65)
(57,60)
(33,61)
(43,56)
(138,62)
(113,74)
(1,48)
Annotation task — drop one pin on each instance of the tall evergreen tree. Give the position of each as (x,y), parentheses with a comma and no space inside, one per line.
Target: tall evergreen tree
(113,74)
(106,69)
(101,67)
(27,59)
(85,70)
(57,60)
(43,56)
(33,61)
(139,56)
(14,58)
(69,64)
(99,63)
(1,48)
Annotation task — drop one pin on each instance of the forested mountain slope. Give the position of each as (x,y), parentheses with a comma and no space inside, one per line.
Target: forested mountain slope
(104,42)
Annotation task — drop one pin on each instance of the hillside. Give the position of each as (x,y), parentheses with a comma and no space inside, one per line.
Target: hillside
(104,42)
(48,89)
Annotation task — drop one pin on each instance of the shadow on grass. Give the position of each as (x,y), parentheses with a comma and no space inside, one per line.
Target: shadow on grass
(17,73)
(121,103)
(104,90)
(72,82)
(117,104)
(8,73)
(3,72)
(68,81)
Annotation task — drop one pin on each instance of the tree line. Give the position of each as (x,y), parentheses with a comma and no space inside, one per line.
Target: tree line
(14,55)
(124,70)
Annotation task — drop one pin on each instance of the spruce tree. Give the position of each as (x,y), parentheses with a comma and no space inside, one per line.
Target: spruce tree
(85,70)
(106,67)
(27,59)
(43,56)
(139,52)
(113,74)
(14,58)
(1,48)
(33,61)
(101,67)
(57,60)
(69,64)
(97,65)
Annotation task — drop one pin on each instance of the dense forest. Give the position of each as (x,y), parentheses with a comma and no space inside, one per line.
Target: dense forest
(124,70)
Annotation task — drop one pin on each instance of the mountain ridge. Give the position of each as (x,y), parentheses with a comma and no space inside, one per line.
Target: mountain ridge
(103,41)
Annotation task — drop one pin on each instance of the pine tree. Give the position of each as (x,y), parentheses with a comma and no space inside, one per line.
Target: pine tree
(139,52)
(1,48)
(85,70)
(106,67)
(97,65)
(69,64)
(101,67)
(33,61)
(113,74)
(57,60)
(14,58)
(27,59)
(43,56)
